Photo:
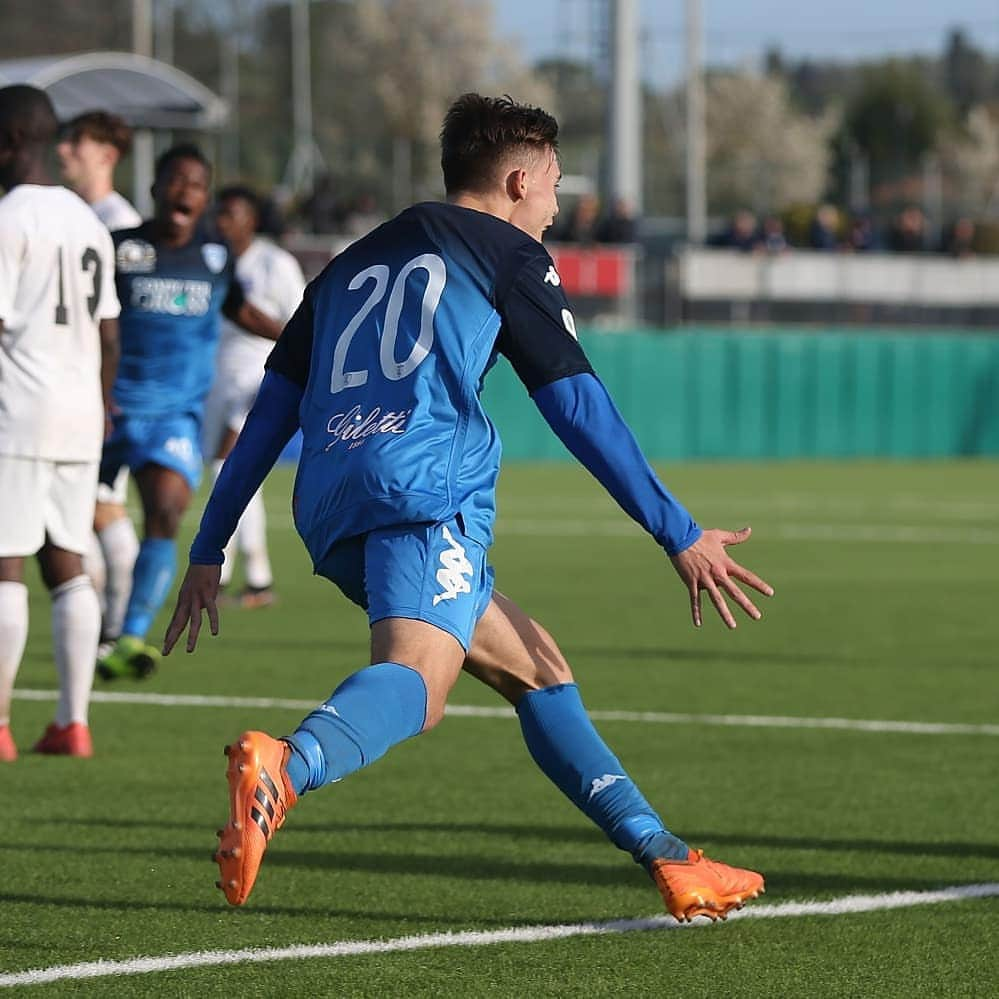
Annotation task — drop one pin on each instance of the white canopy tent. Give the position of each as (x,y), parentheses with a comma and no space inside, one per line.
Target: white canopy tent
(147,93)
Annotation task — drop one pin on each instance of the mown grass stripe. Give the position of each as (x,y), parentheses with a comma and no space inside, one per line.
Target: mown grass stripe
(844,906)
(474,711)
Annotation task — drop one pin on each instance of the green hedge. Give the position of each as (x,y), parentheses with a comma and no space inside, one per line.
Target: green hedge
(781,394)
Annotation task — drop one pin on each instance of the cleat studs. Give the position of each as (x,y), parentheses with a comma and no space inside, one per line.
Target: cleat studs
(243,745)
(218,884)
(232,883)
(234,853)
(242,767)
(237,826)
(219,833)
(227,750)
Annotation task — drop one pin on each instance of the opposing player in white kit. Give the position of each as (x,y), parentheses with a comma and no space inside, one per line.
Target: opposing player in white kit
(272,281)
(58,356)
(89,149)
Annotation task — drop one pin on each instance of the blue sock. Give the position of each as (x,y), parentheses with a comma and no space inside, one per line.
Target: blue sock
(154,570)
(367,714)
(566,746)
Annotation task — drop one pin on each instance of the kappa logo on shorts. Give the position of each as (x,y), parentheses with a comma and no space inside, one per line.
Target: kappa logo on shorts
(180,447)
(455,566)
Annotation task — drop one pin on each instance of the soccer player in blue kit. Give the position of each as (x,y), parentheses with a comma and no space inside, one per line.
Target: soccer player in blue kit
(381,367)
(174,279)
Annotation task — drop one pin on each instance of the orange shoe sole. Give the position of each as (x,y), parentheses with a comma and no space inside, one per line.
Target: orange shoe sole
(259,799)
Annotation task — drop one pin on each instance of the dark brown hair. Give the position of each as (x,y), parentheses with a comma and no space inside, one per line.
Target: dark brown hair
(101,126)
(479,133)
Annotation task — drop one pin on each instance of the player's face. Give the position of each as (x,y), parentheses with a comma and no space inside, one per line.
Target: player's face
(181,196)
(538,207)
(82,159)
(236,221)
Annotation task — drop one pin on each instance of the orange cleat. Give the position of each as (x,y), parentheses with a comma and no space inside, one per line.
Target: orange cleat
(698,886)
(8,748)
(260,796)
(66,740)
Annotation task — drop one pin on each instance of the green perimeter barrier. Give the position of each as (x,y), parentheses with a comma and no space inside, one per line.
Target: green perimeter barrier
(780,394)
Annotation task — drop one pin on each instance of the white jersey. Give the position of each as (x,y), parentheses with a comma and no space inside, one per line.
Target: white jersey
(56,284)
(273,282)
(116,212)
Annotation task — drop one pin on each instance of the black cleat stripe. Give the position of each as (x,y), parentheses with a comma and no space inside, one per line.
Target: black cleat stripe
(258,817)
(262,798)
(265,779)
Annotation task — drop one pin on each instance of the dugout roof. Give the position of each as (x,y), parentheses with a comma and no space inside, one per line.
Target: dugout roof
(145,92)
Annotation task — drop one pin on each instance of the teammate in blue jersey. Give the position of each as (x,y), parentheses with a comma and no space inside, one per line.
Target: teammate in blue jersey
(381,367)
(174,280)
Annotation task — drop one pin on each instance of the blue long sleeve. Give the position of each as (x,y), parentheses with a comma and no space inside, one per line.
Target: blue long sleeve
(268,428)
(583,415)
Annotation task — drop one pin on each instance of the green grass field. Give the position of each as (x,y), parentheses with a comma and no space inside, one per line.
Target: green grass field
(885,610)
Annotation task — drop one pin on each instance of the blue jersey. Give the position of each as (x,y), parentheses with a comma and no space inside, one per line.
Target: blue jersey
(391,344)
(171,299)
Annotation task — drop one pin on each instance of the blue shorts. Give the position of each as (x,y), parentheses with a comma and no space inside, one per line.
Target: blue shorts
(171,441)
(425,572)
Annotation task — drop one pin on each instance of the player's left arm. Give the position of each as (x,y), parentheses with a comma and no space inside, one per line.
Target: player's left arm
(110,354)
(12,252)
(539,338)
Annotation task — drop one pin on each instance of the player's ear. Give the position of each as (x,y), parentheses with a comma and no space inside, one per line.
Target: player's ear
(516,185)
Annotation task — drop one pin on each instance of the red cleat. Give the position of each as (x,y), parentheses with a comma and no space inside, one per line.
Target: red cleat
(8,749)
(68,740)
(698,886)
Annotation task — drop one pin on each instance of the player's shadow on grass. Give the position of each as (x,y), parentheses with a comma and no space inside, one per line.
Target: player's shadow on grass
(618,652)
(947,848)
(218,907)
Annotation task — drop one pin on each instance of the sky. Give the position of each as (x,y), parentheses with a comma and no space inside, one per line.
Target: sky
(738,32)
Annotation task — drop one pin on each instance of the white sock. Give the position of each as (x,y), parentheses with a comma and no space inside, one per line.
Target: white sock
(121,548)
(251,536)
(229,552)
(13,635)
(76,626)
(95,567)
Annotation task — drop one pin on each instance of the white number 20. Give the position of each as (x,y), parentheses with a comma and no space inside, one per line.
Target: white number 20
(392,368)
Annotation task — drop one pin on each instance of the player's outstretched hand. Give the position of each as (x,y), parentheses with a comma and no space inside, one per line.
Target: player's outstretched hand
(198,592)
(705,565)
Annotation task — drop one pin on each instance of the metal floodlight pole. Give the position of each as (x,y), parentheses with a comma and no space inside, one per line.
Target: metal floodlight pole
(697,213)
(142,141)
(300,174)
(624,123)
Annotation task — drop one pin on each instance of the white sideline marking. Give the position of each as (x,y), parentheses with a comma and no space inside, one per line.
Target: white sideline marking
(845,906)
(473,711)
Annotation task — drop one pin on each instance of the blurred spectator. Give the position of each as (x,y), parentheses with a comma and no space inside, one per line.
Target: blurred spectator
(959,239)
(772,238)
(321,208)
(619,225)
(362,216)
(824,231)
(581,226)
(908,234)
(741,233)
(862,236)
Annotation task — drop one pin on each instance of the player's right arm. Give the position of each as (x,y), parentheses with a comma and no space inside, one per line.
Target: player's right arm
(539,339)
(272,421)
(110,353)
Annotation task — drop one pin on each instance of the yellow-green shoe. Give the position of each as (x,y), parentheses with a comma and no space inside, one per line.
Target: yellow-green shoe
(130,657)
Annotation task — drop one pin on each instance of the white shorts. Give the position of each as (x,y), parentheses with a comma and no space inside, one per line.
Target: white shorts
(43,498)
(227,406)
(117,492)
